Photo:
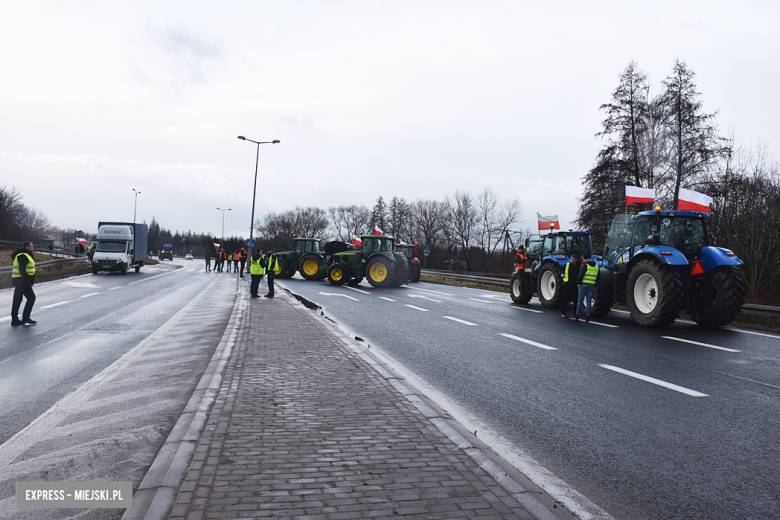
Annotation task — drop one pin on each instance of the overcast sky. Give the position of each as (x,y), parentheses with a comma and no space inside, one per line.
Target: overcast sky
(409,99)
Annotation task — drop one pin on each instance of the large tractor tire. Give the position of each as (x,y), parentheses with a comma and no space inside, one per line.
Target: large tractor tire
(310,265)
(401,273)
(718,297)
(602,294)
(380,272)
(416,270)
(550,286)
(654,294)
(338,274)
(520,287)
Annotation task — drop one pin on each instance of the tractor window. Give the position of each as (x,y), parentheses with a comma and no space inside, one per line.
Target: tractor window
(299,246)
(579,244)
(619,236)
(685,235)
(315,245)
(368,245)
(387,244)
(642,233)
(548,245)
(533,246)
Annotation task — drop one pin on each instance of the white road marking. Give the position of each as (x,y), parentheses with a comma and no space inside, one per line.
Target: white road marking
(426,290)
(754,333)
(7,318)
(90,294)
(388,299)
(424,298)
(617,310)
(527,309)
(153,277)
(496,296)
(602,324)
(117,287)
(416,308)
(700,344)
(358,290)
(342,295)
(658,382)
(87,285)
(480,301)
(459,321)
(55,304)
(523,340)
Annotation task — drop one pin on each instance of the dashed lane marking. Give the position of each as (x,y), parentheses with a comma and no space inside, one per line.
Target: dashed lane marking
(754,333)
(342,295)
(153,277)
(700,344)
(528,341)
(424,298)
(599,323)
(417,308)
(55,304)
(90,294)
(459,321)
(115,288)
(527,309)
(670,386)
(388,299)
(426,290)
(480,301)
(358,290)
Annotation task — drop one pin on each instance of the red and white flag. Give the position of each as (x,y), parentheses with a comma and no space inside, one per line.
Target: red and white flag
(544,222)
(82,241)
(634,195)
(216,246)
(357,242)
(693,201)
(378,231)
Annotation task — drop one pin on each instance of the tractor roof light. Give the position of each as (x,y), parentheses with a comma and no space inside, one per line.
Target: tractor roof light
(658,209)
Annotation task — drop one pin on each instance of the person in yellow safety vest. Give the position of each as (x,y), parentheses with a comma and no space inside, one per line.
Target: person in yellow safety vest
(270,264)
(256,270)
(589,277)
(23,278)
(229,261)
(570,276)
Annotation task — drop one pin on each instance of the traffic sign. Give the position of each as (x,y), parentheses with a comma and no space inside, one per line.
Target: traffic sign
(427,250)
(250,242)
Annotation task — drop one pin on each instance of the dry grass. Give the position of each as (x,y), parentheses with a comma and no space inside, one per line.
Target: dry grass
(51,272)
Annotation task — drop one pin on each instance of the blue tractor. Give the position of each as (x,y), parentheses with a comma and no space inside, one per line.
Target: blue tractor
(547,257)
(660,263)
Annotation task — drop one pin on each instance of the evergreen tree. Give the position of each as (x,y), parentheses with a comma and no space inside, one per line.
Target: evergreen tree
(379,214)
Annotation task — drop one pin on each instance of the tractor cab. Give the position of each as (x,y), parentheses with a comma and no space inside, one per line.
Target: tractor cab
(560,246)
(375,244)
(306,245)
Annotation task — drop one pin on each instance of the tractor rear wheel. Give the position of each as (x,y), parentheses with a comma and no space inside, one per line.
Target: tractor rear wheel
(416,273)
(520,287)
(401,273)
(654,294)
(380,272)
(718,297)
(602,294)
(281,268)
(550,290)
(309,266)
(338,274)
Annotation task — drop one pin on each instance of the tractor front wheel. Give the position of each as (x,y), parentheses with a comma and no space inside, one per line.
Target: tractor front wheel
(309,266)
(338,274)
(380,272)
(520,287)
(655,294)
(550,290)
(718,297)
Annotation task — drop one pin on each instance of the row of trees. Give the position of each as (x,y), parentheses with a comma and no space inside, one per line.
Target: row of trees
(465,231)
(666,140)
(18,221)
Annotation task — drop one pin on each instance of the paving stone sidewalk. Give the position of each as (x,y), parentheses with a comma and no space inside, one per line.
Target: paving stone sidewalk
(307,426)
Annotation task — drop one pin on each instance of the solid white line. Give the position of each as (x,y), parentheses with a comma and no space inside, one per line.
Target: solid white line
(417,308)
(700,344)
(602,324)
(426,290)
(358,290)
(459,321)
(90,294)
(670,386)
(527,310)
(153,277)
(7,318)
(388,299)
(480,301)
(117,287)
(535,344)
(55,304)
(754,333)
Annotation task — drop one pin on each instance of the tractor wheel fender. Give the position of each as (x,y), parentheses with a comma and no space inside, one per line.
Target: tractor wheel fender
(714,257)
(653,253)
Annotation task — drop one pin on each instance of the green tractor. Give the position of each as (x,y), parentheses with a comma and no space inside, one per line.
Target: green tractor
(307,259)
(377,260)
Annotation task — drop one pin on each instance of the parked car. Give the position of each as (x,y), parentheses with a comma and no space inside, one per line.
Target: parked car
(188,257)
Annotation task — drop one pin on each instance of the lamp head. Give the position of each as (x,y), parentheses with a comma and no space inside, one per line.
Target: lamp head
(276,141)
(242,137)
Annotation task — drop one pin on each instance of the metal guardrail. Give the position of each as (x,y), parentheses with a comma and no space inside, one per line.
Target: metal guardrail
(10,268)
(749,309)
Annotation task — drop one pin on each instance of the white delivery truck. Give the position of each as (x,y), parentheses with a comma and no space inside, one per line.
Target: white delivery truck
(121,246)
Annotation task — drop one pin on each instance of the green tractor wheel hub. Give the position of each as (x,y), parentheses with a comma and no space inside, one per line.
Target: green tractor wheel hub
(548,285)
(646,293)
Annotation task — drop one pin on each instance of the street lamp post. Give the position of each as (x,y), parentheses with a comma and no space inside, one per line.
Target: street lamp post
(223,225)
(135,205)
(254,189)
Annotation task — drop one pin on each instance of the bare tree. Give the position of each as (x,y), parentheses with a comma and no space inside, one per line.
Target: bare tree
(11,209)
(279,228)
(350,221)
(463,222)
(34,223)
(495,218)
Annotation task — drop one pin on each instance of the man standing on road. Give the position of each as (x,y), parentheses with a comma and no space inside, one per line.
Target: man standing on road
(229,261)
(208,259)
(23,278)
(589,277)
(270,266)
(570,276)
(242,259)
(256,270)
(235,261)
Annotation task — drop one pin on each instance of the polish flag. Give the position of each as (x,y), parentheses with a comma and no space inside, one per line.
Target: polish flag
(544,222)
(216,246)
(378,231)
(82,241)
(693,201)
(357,242)
(635,195)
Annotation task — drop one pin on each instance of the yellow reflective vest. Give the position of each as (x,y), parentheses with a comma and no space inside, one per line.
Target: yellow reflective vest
(255,267)
(29,268)
(591,272)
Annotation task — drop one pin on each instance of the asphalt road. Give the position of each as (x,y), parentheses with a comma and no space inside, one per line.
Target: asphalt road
(681,422)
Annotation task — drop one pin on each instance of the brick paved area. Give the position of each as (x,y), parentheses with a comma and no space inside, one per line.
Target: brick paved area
(305,428)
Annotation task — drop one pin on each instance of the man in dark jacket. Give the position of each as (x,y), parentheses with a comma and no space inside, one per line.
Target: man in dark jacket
(208,259)
(23,278)
(571,274)
(589,277)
